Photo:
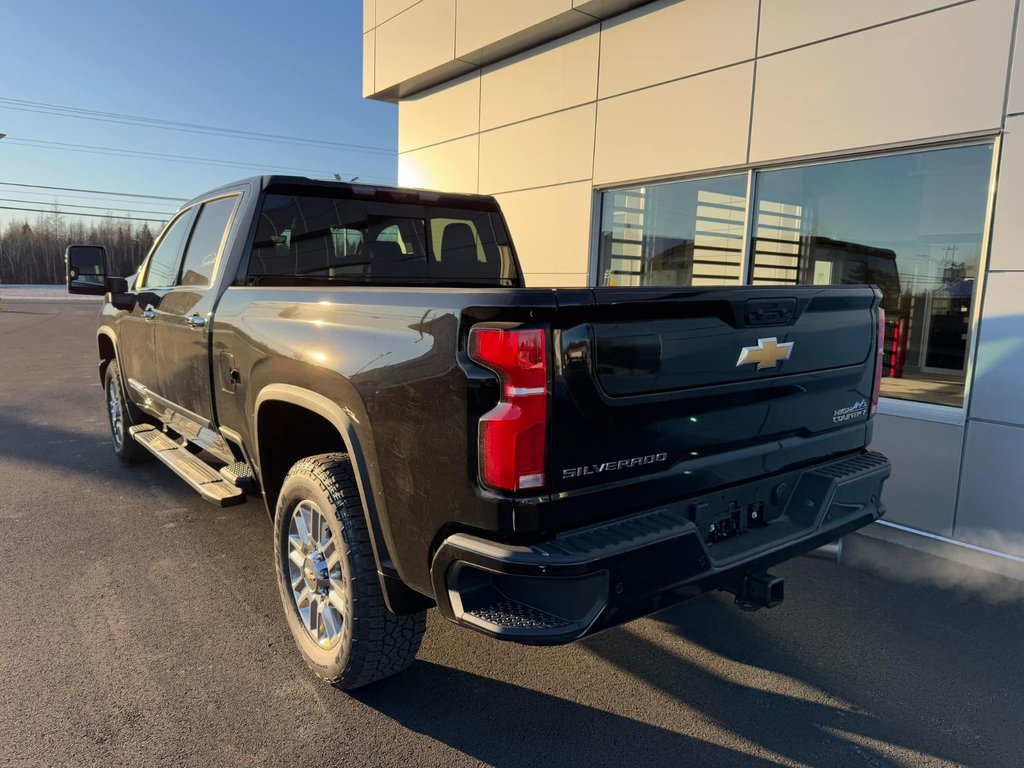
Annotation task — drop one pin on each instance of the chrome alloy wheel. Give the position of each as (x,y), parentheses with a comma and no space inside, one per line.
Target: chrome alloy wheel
(315,575)
(116,417)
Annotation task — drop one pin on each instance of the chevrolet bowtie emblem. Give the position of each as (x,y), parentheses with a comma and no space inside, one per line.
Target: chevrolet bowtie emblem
(767,354)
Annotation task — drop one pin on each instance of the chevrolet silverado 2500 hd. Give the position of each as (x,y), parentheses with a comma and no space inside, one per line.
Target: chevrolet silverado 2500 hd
(424,430)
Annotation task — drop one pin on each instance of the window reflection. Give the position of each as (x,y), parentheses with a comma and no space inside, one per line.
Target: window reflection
(680,233)
(913,225)
(910,223)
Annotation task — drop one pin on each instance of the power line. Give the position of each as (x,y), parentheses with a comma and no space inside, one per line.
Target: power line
(161,156)
(173,125)
(90,215)
(94,191)
(52,196)
(89,207)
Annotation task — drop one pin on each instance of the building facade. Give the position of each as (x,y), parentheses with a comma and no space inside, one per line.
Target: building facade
(775,142)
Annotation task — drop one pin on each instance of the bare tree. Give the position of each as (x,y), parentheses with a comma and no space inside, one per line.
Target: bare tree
(33,252)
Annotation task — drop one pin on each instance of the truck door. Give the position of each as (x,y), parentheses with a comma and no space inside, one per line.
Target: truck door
(181,327)
(135,330)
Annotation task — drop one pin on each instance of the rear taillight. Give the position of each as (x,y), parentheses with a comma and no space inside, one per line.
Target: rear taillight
(513,434)
(876,390)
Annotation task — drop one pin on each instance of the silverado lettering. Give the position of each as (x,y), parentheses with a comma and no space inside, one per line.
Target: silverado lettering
(425,430)
(609,466)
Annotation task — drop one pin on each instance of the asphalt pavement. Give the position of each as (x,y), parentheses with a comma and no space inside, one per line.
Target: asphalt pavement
(140,625)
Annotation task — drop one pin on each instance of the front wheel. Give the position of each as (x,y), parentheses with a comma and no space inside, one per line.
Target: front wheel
(121,413)
(327,578)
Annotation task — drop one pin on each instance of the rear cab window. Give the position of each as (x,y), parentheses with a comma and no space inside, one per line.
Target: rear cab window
(311,238)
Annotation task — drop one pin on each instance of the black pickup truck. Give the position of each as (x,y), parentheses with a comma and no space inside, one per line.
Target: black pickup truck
(424,430)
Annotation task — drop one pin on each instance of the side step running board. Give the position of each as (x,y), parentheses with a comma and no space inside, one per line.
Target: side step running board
(189,467)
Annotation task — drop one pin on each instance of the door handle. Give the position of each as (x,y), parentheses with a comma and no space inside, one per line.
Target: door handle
(149,313)
(195,321)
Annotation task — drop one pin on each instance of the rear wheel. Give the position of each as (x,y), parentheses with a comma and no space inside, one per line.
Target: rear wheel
(327,578)
(121,413)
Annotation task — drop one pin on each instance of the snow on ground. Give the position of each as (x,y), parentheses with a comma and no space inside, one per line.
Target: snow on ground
(40,293)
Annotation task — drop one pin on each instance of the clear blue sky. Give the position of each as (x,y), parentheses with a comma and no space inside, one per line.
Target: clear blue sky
(282,68)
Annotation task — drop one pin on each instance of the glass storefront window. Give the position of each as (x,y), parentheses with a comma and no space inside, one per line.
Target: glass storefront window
(678,233)
(910,223)
(913,225)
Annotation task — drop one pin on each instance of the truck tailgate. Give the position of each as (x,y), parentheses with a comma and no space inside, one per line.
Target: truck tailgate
(688,381)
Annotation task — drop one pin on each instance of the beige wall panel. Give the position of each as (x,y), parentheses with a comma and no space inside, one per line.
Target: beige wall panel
(449,167)
(483,22)
(388,9)
(566,280)
(547,150)
(1007,250)
(369,15)
(368,62)
(446,112)
(415,41)
(668,40)
(999,368)
(894,83)
(926,466)
(788,23)
(1015,102)
(550,227)
(546,79)
(688,125)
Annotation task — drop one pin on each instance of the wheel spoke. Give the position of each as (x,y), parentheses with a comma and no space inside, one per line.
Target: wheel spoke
(336,595)
(302,525)
(314,616)
(332,622)
(332,556)
(313,527)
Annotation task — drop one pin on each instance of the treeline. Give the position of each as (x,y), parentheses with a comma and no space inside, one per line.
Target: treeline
(33,252)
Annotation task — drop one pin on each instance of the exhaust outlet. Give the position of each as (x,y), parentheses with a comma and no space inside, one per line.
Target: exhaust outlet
(759,590)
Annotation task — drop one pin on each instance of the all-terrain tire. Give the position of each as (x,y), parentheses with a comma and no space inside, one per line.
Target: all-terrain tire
(121,414)
(374,643)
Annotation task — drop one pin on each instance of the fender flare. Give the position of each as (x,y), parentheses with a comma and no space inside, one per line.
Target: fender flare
(399,597)
(107,332)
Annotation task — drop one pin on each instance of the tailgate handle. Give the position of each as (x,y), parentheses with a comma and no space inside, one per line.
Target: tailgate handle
(769,311)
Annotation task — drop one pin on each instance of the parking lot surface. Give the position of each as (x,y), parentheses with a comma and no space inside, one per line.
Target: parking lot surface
(140,625)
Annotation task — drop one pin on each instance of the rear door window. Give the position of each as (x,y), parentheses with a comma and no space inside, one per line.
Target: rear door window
(205,244)
(162,267)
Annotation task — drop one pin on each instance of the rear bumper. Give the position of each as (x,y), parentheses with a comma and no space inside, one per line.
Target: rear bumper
(593,578)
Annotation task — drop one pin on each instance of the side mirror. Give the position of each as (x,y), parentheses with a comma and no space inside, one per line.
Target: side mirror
(86,267)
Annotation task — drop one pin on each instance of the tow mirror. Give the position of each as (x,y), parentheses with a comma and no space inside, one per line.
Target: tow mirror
(86,269)
(88,273)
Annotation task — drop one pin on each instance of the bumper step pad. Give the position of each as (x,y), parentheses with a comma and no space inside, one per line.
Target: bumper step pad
(189,467)
(515,615)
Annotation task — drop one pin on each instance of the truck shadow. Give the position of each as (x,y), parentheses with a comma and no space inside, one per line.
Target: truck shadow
(862,670)
(504,724)
(83,451)
(865,670)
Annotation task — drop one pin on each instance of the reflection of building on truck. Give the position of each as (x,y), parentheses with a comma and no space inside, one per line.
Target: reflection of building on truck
(941,315)
(826,262)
